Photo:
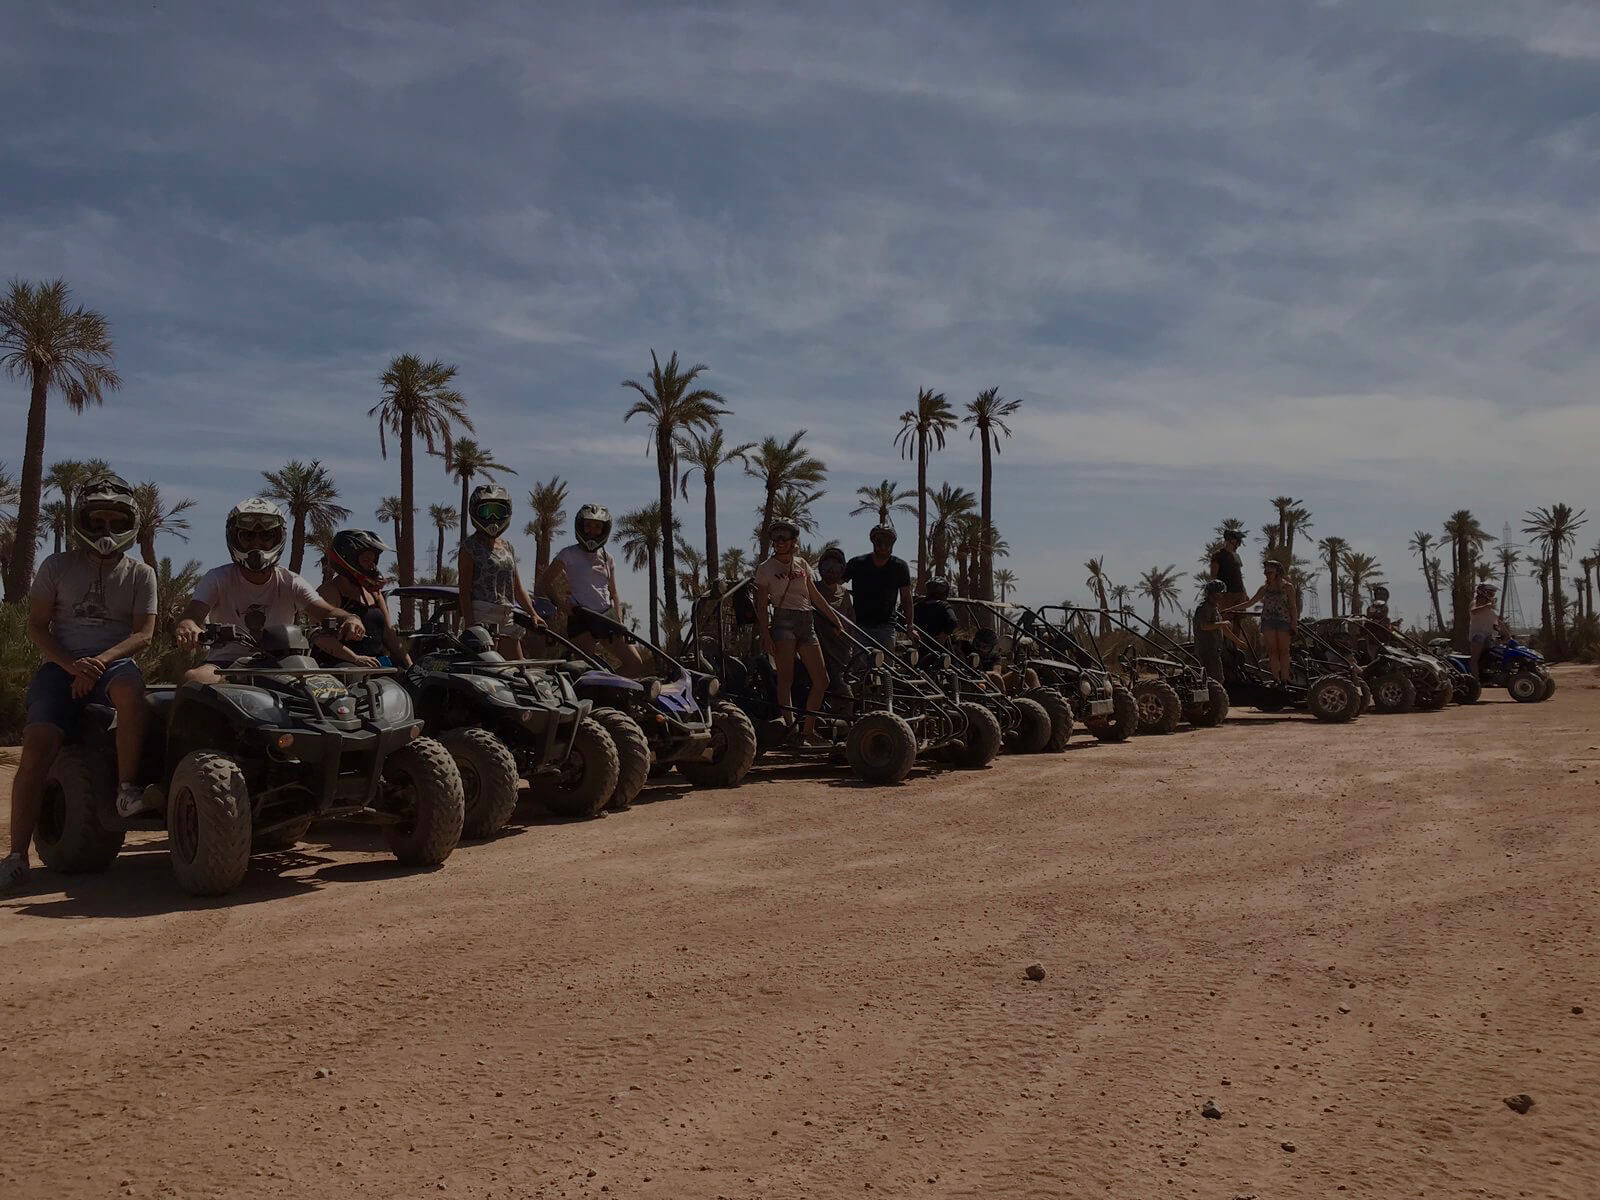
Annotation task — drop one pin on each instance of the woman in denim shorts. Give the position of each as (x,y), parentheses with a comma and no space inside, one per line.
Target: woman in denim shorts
(1279,616)
(784,583)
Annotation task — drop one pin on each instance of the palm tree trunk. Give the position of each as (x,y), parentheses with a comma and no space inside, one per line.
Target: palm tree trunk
(405,540)
(1155,610)
(711,531)
(438,554)
(655,597)
(541,550)
(922,508)
(147,546)
(297,543)
(668,563)
(766,519)
(985,559)
(464,514)
(26,530)
(1558,602)
(1105,606)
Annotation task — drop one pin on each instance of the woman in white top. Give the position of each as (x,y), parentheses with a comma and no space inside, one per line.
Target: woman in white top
(588,592)
(785,583)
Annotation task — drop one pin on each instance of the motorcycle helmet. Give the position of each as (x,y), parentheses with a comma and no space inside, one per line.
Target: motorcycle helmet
(591,540)
(346,549)
(937,588)
(785,528)
(490,509)
(1215,587)
(883,533)
(985,640)
(108,493)
(258,517)
(831,562)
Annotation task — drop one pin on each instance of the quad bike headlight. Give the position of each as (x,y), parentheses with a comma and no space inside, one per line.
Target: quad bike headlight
(394,702)
(494,688)
(1085,688)
(255,704)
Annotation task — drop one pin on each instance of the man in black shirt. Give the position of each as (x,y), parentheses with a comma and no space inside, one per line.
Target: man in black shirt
(880,584)
(1210,628)
(1225,566)
(934,615)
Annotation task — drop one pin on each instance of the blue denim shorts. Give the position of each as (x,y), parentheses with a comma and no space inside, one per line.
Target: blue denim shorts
(50,700)
(795,625)
(1275,624)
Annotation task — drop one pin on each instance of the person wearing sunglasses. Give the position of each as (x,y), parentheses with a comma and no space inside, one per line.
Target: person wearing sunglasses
(486,571)
(253,591)
(785,584)
(91,608)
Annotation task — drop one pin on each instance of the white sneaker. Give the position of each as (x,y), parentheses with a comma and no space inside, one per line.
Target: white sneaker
(130,800)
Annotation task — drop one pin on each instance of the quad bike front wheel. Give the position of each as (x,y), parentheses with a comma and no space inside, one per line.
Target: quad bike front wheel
(1160,709)
(1333,698)
(1433,698)
(1060,713)
(881,748)
(981,741)
(489,779)
(208,824)
(633,756)
(733,750)
(588,779)
(1467,689)
(1394,693)
(69,836)
(422,785)
(1034,729)
(1549,686)
(1526,687)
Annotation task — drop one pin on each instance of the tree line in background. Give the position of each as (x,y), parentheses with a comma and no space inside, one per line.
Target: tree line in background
(61,349)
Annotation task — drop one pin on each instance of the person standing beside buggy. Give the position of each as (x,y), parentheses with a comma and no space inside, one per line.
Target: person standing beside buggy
(784,584)
(1211,627)
(880,583)
(582,579)
(837,649)
(1279,617)
(1226,566)
(486,571)
(90,610)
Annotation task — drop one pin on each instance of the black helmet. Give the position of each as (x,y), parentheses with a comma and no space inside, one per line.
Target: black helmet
(592,512)
(255,515)
(937,588)
(106,491)
(1380,592)
(490,509)
(986,638)
(346,549)
(1215,587)
(883,533)
(1233,535)
(782,526)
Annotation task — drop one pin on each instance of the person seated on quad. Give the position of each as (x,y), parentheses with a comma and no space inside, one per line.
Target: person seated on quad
(934,614)
(1210,629)
(354,584)
(986,645)
(785,584)
(1484,623)
(488,581)
(91,608)
(1279,617)
(253,591)
(837,649)
(880,585)
(582,582)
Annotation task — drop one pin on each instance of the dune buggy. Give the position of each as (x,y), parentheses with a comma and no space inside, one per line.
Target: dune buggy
(1169,684)
(246,765)
(1065,655)
(1323,680)
(1400,678)
(1025,723)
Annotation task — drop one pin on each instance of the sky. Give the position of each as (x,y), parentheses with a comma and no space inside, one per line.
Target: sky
(1221,250)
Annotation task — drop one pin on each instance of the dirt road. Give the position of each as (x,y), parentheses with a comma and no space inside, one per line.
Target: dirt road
(1355,940)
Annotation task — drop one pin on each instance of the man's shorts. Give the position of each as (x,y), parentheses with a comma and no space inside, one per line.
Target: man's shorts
(586,620)
(50,700)
(882,634)
(795,625)
(1481,639)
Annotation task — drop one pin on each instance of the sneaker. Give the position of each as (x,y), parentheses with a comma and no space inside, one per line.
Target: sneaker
(130,800)
(13,873)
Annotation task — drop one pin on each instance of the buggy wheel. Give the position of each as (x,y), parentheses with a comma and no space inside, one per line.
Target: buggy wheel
(1434,698)
(1123,721)
(1160,710)
(1394,693)
(1034,728)
(489,779)
(881,748)
(1526,687)
(1060,713)
(633,756)
(981,741)
(421,783)
(69,836)
(587,780)
(1332,698)
(1215,711)
(733,750)
(1468,689)
(1359,697)
(208,824)
(285,837)
(1549,686)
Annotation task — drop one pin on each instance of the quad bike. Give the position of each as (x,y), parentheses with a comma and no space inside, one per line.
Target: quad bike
(1169,684)
(1401,679)
(879,716)
(1323,680)
(246,765)
(506,720)
(1465,687)
(1519,669)
(1025,724)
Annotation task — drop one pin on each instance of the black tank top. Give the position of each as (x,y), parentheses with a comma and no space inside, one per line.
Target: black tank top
(373,645)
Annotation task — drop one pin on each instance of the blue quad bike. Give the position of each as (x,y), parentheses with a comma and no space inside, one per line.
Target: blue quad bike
(1519,669)
(246,765)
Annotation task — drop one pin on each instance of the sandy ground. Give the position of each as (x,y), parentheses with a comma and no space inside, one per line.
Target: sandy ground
(1355,940)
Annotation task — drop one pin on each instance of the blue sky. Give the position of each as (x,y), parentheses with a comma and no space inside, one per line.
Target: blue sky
(1221,249)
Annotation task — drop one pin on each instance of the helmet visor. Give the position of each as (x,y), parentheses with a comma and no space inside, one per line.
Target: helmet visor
(106,522)
(492,512)
(591,529)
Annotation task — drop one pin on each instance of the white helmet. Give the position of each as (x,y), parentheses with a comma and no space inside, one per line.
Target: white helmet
(592,512)
(256,515)
(107,491)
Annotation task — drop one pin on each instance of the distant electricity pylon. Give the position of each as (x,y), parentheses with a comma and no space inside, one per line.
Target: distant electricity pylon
(1313,604)
(1510,606)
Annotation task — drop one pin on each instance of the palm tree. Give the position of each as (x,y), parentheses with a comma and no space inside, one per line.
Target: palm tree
(781,467)
(51,344)
(1121,593)
(174,587)
(734,564)
(707,453)
(8,513)
(389,512)
(1361,571)
(1296,521)
(792,505)
(156,516)
(442,517)
(948,504)
(1467,538)
(56,516)
(1159,584)
(1004,580)
(987,415)
(547,502)
(1333,551)
(466,460)
(418,403)
(922,430)
(641,545)
(672,406)
(309,493)
(1555,528)
(689,574)
(1100,581)
(66,476)
(883,499)
(1421,542)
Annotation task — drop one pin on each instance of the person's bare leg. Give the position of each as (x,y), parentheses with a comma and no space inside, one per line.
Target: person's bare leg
(811,655)
(40,744)
(127,696)
(1477,653)
(783,657)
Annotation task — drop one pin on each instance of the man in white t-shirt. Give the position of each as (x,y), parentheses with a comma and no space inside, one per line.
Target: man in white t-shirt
(253,592)
(588,596)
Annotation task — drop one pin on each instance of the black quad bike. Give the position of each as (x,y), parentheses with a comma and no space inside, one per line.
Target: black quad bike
(1168,682)
(246,765)
(1025,723)
(1465,687)
(1400,678)
(1323,680)
(879,716)
(505,721)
